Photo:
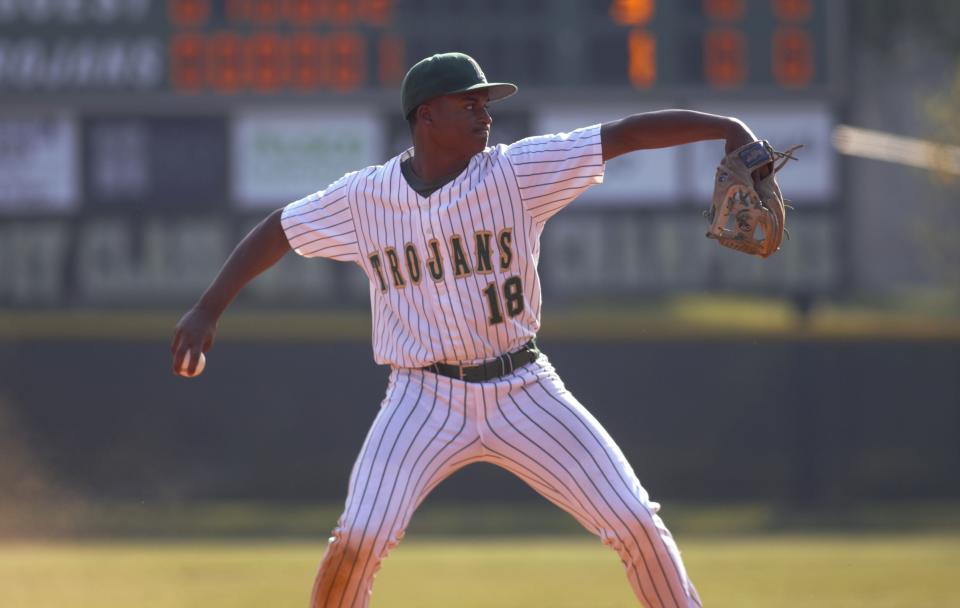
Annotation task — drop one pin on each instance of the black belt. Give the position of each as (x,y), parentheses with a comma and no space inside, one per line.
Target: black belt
(488,370)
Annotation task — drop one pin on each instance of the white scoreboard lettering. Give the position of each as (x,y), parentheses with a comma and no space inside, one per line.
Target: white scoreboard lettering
(73,12)
(38,64)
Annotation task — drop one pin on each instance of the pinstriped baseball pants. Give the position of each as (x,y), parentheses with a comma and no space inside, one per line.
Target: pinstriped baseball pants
(430,426)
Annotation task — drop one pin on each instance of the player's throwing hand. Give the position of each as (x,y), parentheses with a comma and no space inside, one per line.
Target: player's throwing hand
(193,335)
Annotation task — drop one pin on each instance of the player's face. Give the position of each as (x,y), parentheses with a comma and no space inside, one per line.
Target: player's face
(461,121)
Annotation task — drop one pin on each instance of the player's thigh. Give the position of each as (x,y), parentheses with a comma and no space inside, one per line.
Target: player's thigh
(540,423)
(420,427)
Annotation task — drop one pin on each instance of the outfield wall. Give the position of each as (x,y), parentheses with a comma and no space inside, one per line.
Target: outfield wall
(797,420)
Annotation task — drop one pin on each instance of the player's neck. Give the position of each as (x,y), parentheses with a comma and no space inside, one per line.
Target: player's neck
(431,164)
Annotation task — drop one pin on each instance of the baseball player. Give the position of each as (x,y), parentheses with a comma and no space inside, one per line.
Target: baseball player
(448,235)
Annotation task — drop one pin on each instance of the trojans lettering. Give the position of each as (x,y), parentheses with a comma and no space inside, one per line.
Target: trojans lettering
(460,255)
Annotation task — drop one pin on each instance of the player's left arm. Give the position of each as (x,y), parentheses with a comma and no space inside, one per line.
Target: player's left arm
(666,128)
(263,247)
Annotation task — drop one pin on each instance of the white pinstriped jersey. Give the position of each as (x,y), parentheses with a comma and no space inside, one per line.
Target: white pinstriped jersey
(453,276)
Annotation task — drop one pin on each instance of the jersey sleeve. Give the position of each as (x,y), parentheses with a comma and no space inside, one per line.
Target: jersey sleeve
(552,170)
(322,225)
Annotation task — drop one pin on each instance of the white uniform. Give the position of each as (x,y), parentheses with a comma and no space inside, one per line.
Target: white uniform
(453,278)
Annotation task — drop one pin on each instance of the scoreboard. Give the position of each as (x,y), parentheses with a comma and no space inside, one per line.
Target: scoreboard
(270,48)
(139,139)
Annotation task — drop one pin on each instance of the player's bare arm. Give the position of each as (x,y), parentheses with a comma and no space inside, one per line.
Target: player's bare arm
(263,247)
(666,128)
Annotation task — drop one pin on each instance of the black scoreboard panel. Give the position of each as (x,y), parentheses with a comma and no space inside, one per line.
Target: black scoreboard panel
(270,48)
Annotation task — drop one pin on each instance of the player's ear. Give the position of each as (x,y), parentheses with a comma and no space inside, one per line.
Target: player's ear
(424,113)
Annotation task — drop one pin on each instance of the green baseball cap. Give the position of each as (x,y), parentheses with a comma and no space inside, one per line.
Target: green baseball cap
(445,74)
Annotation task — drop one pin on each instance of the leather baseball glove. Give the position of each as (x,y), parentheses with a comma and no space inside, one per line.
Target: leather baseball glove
(748,211)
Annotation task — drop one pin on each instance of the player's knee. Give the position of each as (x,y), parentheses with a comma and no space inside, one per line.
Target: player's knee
(647,524)
(355,544)
(344,545)
(632,529)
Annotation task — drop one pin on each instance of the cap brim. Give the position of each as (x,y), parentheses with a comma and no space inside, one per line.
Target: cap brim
(498,90)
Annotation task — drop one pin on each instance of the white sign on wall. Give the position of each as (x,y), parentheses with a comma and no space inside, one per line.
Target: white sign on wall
(278,156)
(642,178)
(38,164)
(811,179)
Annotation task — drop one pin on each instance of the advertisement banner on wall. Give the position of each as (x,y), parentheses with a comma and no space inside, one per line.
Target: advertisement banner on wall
(647,178)
(278,156)
(38,164)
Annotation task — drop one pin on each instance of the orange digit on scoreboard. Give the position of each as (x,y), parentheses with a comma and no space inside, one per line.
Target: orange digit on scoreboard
(725,57)
(303,12)
(224,61)
(259,12)
(307,12)
(795,11)
(309,68)
(632,12)
(392,60)
(377,12)
(267,62)
(349,61)
(341,11)
(724,10)
(266,12)
(793,57)
(188,13)
(642,50)
(186,63)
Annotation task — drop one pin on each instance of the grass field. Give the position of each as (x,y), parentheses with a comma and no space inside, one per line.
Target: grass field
(786,571)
